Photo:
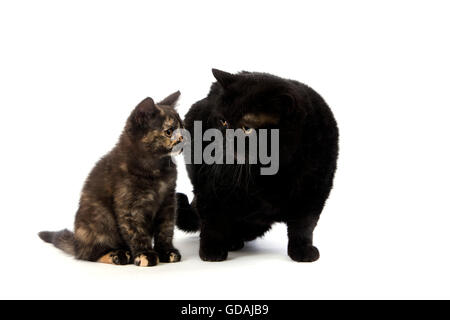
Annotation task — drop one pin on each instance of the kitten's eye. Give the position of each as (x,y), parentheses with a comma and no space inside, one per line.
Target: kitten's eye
(224,123)
(247,130)
(168,132)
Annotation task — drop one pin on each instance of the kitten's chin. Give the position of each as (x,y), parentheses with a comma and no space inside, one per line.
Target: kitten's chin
(176,150)
(174,153)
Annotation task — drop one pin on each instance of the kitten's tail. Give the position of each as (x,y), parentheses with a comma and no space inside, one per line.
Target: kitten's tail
(187,217)
(63,240)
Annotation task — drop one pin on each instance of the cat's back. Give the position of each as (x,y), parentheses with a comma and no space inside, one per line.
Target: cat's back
(319,127)
(102,177)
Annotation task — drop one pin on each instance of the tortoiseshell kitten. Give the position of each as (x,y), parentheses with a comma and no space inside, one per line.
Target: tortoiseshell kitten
(128,200)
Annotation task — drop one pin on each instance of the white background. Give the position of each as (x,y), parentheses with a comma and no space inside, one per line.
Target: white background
(71,71)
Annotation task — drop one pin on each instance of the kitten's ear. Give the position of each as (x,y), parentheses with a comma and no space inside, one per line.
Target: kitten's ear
(143,112)
(224,78)
(146,105)
(170,100)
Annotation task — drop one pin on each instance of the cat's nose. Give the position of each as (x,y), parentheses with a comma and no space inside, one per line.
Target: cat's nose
(180,138)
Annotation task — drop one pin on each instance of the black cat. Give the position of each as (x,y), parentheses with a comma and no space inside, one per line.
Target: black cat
(235,203)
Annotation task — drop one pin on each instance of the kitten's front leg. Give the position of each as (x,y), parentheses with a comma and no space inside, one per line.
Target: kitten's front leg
(164,225)
(134,230)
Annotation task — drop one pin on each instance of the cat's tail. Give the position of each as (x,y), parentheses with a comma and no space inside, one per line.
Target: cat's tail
(63,240)
(187,217)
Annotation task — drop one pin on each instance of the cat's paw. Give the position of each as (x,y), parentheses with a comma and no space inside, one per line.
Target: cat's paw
(305,253)
(118,257)
(169,255)
(213,255)
(122,257)
(146,259)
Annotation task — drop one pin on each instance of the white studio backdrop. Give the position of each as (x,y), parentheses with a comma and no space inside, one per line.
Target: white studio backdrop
(70,73)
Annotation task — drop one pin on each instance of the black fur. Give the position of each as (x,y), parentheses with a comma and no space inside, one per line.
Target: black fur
(234,203)
(187,219)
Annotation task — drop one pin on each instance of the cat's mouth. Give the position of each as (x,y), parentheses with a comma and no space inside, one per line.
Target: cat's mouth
(177,148)
(178,144)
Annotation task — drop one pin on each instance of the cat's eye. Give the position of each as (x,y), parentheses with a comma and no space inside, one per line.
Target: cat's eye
(224,123)
(247,130)
(168,132)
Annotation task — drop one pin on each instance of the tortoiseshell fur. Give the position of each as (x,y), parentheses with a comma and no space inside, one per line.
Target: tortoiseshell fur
(127,207)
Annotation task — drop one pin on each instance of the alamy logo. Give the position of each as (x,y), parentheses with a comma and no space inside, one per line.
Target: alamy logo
(236,146)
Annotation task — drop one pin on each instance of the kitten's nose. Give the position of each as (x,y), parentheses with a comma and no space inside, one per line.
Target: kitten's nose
(180,138)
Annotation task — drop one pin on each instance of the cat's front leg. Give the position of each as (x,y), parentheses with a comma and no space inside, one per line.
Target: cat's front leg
(134,230)
(213,242)
(164,225)
(300,234)
(302,214)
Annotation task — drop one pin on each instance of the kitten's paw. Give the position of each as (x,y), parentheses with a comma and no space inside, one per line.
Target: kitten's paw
(304,253)
(213,254)
(146,259)
(169,255)
(118,257)
(237,245)
(122,257)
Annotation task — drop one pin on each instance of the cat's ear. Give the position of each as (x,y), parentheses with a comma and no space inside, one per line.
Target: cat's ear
(143,112)
(224,78)
(146,105)
(171,100)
